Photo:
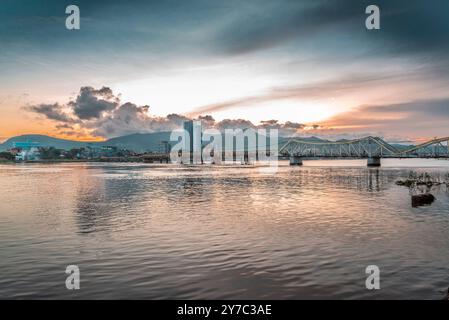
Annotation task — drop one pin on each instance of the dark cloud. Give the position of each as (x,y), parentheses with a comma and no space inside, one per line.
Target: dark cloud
(406,27)
(266,25)
(231,27)
(91,103)
(52,112)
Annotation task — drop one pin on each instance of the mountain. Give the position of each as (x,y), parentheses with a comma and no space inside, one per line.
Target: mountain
(136,142)
(139,142)
(43,141)
(308,139)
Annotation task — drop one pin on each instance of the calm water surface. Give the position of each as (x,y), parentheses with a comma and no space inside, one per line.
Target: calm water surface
(162,231)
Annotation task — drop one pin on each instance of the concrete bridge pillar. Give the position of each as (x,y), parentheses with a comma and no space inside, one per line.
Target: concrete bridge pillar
(295,161)
(374,161)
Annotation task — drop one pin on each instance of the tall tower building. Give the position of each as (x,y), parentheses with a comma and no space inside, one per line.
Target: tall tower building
(192,142)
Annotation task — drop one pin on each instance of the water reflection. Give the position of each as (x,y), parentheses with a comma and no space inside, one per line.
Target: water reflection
(89,200)
(150,231)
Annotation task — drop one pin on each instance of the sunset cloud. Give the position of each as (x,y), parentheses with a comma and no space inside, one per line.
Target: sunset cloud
(414,117)
(100,113)
(345,85)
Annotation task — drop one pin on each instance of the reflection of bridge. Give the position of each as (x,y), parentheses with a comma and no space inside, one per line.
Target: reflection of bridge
(372,148)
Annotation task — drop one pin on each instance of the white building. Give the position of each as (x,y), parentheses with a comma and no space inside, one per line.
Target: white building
(31,154)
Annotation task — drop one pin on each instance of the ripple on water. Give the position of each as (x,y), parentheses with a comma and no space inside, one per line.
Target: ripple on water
(157,231)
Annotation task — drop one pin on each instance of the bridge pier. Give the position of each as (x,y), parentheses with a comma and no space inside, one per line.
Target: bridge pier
(295,161)
(374,162)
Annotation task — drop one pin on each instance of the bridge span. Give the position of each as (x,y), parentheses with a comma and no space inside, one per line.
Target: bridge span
(370,148)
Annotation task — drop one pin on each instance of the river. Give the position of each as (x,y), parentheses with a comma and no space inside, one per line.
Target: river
(149,231)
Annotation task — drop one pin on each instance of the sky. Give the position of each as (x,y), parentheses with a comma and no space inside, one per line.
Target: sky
(305,67)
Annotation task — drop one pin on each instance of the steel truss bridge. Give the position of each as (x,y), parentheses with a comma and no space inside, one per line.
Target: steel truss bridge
(368,147)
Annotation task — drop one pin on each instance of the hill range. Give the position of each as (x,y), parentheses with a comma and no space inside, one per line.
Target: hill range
(138,142)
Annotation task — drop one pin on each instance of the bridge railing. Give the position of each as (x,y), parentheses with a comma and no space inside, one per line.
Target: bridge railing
(364,148)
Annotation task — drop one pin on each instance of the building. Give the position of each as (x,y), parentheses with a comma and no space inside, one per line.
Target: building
(192,151)
(29,151)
